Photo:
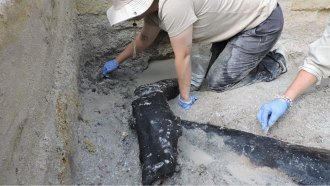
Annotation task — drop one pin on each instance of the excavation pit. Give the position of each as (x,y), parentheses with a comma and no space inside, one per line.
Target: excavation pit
(61,126)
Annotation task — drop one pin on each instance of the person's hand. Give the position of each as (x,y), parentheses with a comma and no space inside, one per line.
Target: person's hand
(109,67)
(186,105)
(270,112)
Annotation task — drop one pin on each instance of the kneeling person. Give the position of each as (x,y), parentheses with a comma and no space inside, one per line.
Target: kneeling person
(242,34)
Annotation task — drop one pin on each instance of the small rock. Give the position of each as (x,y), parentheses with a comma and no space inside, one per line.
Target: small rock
(124,135)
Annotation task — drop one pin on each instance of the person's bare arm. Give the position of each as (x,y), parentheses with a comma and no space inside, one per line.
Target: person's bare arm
(302,82)
(181,45)
(144,39)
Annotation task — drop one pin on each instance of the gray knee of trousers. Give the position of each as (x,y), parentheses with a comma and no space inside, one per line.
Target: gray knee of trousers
(219,79)
(216,81)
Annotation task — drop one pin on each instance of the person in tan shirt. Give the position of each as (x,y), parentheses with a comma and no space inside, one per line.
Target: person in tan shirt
(242,34)
(316,66)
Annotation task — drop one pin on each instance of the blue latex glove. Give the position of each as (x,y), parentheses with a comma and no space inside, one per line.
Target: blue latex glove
(187,105)
(270,112)
(109,67)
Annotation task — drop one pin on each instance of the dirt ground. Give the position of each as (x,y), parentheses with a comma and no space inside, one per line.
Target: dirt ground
(108,151)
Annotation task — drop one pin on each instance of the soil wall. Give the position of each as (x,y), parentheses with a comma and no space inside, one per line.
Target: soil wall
(39,100)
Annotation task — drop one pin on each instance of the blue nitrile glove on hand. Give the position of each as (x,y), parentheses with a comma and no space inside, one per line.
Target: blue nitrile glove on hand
(109,67)
(187,105)
(270,112)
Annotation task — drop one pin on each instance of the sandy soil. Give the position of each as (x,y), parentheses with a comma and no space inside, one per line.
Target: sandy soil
(39,99)
(107,149)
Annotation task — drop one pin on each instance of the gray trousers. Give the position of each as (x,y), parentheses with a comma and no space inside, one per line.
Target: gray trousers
(243,59)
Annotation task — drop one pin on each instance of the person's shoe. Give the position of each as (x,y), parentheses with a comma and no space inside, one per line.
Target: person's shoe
(283,59)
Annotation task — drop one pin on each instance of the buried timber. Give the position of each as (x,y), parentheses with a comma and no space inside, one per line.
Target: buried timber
(272,161)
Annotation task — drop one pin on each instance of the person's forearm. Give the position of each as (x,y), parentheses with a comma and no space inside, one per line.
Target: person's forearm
(140,45)
(183,70)
(127,53)
(302,82)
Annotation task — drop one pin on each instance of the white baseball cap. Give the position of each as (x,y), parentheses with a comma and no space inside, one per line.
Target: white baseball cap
(122,10)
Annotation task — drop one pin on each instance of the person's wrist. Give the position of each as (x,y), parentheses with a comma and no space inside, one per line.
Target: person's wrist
(185,99)
(290,94)
(285,98)
(115,60)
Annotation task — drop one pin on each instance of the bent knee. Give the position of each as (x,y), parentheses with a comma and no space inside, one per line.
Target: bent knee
(222,81)
(217,82)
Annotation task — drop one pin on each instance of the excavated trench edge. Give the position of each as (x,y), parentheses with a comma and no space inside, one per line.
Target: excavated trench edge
(158,130)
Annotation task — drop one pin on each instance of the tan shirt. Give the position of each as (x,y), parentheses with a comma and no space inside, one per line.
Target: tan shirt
(318,59)
(212,20)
